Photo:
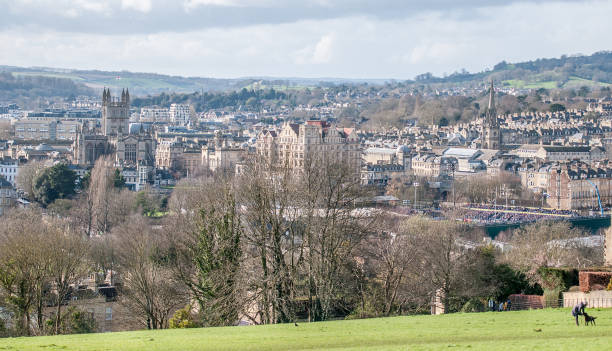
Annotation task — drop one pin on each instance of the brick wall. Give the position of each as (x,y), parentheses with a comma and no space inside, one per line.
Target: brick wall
(524,302)
(588,279)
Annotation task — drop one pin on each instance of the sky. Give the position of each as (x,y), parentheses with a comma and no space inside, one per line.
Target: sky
(384,39)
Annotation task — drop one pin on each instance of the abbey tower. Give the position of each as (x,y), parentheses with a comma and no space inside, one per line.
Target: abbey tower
(115,113)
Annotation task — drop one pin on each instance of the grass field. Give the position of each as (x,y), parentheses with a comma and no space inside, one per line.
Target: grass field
(523,330)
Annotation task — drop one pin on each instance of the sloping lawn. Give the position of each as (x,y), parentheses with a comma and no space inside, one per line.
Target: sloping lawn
(551,329)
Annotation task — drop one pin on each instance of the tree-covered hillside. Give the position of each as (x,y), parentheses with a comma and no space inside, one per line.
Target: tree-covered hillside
(563,72)
(14,87)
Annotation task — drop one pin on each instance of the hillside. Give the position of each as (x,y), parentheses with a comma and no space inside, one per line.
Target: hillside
(526,330)
(549,73)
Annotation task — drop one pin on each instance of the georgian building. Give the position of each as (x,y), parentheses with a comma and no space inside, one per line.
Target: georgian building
(220,155)
(9,169)
(169,154)
(577,185)
(432,166)
(294,144)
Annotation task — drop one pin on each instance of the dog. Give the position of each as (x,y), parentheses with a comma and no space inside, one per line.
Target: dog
(589,319)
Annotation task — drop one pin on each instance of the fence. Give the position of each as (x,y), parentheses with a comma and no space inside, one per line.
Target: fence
(518,305)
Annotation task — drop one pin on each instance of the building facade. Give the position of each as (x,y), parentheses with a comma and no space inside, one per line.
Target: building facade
(577,186)
(180,114)
(295,144)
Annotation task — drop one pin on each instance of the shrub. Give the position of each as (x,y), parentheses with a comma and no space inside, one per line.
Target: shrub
(81,322)
(551,297)
(558,278)
(183,318)
(473,305)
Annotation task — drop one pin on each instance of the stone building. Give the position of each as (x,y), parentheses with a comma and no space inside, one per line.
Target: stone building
(9,169)
(180,114)
(169,154)
(576,185)
(8,196)
(219,154)
(293,144)
(89,146)
(130,147)
(432,166)
(46,129)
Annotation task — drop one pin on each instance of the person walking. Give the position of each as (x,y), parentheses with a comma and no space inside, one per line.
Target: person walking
(578,310)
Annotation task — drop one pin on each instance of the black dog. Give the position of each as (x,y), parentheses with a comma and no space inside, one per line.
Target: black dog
(589,319)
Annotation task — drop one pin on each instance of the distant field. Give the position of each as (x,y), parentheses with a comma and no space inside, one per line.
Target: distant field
(521,84)
(573,82)
(524,330)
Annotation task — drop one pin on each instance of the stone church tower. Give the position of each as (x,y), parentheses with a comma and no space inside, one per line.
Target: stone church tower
(115,113)
(491,134)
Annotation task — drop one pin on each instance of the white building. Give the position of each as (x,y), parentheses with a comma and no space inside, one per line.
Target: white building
(180,114)
(9,168)
(154,114)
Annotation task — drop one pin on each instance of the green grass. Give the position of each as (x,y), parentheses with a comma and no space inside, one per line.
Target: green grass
(521,84)
(478,331)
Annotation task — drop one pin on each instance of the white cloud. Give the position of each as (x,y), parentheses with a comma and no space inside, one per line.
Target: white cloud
(323,50)
(358,46)
(138,5)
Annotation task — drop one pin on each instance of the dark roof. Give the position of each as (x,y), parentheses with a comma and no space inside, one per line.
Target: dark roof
(567,148)
(5,183)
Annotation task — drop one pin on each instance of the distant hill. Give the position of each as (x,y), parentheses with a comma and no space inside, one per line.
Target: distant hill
(550,73)
(143,84)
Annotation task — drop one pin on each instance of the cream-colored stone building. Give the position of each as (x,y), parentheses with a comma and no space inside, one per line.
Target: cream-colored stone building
(220,155)
(294,144)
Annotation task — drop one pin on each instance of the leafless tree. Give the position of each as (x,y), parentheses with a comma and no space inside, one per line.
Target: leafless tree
(442,251)
(67,252)
(27,174)
(24,266)
(550,244)
(101,206)
(149,288)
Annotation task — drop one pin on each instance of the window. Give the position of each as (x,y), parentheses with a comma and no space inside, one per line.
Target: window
(109,314)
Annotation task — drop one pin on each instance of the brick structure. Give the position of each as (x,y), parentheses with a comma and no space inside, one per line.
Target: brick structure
(588,279)
(525,302)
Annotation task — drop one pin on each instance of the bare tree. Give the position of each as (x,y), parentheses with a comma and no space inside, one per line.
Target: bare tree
(149,288)
(550,244)
(68,261)
(442,252)
(27,174)
(101,206)
(24,266)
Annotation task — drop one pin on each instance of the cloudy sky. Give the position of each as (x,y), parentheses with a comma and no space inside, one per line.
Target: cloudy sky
(297,38)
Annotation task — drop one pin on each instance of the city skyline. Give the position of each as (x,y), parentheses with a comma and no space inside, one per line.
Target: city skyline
(313,39)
